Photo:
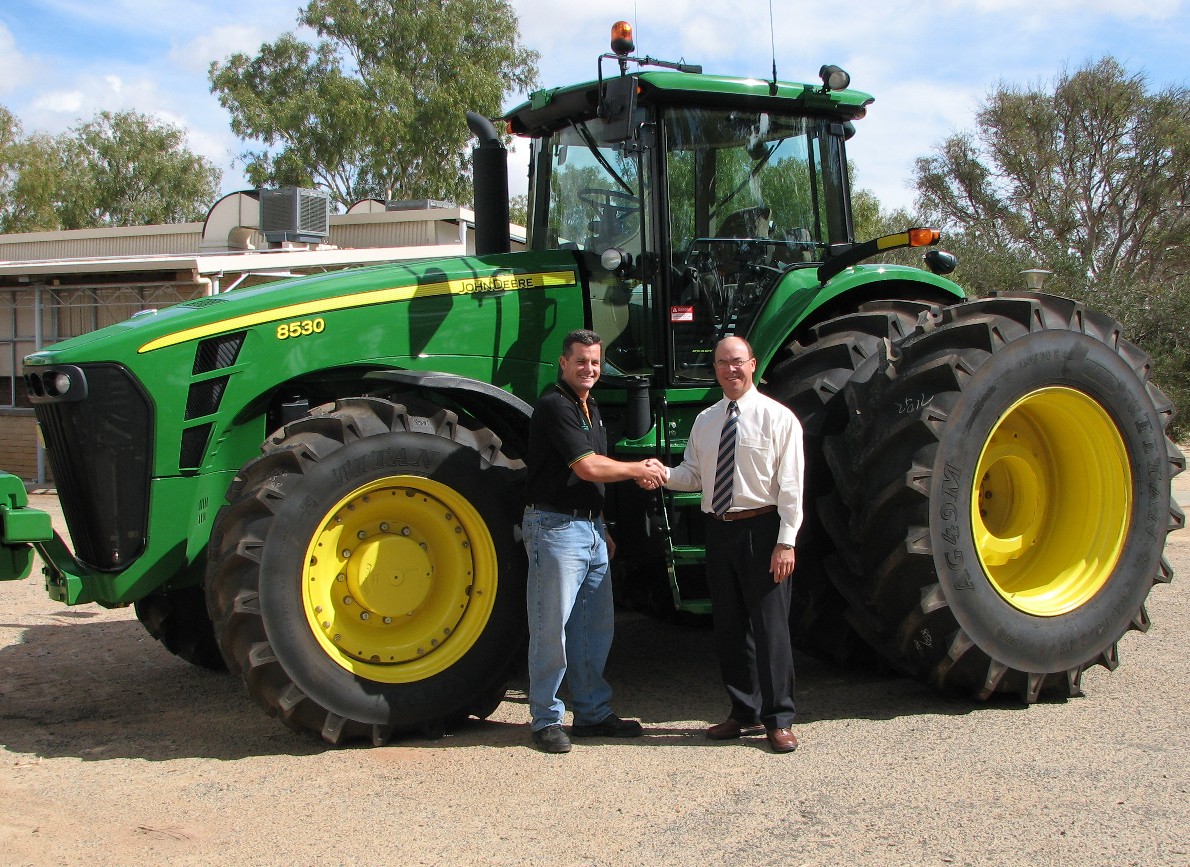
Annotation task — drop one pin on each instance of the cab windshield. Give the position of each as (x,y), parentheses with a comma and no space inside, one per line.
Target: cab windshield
(747,175)
(750,194)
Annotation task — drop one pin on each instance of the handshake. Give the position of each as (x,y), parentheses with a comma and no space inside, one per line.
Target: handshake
(650,474)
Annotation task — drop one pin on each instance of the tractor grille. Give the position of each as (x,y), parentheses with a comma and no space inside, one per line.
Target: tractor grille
(99,438)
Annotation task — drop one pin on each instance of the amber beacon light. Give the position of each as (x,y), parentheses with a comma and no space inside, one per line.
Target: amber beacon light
(622,43)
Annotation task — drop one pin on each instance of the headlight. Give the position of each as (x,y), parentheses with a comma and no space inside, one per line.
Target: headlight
(57,384)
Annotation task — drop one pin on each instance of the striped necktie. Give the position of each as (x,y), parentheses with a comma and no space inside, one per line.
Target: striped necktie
(725,466)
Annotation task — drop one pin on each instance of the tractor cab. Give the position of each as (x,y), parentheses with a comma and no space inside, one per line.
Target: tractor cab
(687,197)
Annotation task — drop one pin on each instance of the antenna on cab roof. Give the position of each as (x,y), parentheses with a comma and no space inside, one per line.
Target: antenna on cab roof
(773,40)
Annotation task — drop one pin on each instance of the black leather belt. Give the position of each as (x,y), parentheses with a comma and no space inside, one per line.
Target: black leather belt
(585,514)
(743,513)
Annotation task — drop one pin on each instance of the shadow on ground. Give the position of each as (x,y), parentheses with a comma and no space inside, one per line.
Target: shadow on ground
(102,689)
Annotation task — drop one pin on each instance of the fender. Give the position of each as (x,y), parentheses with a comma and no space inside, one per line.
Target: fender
(799,296)
(505,413)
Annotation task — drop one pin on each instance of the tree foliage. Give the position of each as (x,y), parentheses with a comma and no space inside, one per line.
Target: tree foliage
(376,108)
(118,169)
(132,170)
(1088,178)
(31,178)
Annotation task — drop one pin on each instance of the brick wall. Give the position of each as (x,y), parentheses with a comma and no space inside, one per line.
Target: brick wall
(18,444)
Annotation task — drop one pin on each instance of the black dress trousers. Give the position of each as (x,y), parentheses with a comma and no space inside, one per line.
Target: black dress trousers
(751,615)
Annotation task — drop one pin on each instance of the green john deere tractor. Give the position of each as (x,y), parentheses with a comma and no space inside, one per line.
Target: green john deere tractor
(315,482)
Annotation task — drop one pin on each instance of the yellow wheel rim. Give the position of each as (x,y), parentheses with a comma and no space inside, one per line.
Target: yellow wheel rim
(400,579)
(1052,501)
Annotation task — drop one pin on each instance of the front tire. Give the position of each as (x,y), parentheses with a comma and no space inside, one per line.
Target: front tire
(364,578)
(1006,481)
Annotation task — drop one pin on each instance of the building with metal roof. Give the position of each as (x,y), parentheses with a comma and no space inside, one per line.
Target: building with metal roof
(55,285)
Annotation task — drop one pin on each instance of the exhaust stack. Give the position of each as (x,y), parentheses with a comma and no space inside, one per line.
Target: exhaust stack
(489,161)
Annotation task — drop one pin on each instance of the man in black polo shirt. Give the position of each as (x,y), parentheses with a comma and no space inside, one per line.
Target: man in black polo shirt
(570,594)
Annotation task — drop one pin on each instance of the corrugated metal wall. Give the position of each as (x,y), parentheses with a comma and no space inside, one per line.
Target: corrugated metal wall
(94,243)
(413,233)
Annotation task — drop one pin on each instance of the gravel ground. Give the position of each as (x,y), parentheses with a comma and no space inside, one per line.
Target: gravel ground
(115,752)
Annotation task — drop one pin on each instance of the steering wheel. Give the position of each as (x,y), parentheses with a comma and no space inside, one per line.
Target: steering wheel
(616,201)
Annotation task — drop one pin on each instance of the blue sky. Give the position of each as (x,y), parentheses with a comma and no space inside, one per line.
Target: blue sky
(928,63)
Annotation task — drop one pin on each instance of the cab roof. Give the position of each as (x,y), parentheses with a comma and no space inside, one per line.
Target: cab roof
(551,109)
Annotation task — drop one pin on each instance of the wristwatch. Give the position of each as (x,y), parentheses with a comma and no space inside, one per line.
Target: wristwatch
(783,545)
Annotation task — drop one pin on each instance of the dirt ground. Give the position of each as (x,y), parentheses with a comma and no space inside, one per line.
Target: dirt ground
(115,752)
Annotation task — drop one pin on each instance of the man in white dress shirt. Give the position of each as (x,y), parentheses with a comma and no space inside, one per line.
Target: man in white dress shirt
(745,455)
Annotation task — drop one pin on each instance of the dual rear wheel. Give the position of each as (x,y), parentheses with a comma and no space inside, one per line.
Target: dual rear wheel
(997,495)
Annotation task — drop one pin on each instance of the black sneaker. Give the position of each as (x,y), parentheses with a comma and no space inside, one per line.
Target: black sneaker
(551,739)
(611,726)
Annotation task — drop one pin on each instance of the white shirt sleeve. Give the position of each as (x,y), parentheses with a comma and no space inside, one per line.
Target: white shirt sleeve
(790,474)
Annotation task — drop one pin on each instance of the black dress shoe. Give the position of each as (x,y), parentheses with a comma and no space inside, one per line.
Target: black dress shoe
(782,740)
(733,728)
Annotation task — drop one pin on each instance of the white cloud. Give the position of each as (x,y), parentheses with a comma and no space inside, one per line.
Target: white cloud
(217,43)
(16,69)
(906,122)
(59,101)
(1035,11)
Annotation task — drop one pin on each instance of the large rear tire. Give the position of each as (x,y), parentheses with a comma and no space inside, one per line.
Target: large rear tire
(1006,482)
(364,578)
(809,379)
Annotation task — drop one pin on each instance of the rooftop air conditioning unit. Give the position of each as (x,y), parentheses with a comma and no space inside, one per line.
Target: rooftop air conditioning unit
(416,204)
(295,214)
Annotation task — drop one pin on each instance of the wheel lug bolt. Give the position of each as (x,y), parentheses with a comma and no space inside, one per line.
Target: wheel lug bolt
(346,553)
(340,577)
(384,528)
(347,600)
(388,620)
(405,531)
(364,615)
(318,609)
(362,534)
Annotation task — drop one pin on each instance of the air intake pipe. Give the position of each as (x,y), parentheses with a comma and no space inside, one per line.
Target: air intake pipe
(489,164)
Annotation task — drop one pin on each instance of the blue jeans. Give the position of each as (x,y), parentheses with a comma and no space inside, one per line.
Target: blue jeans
(570,617)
